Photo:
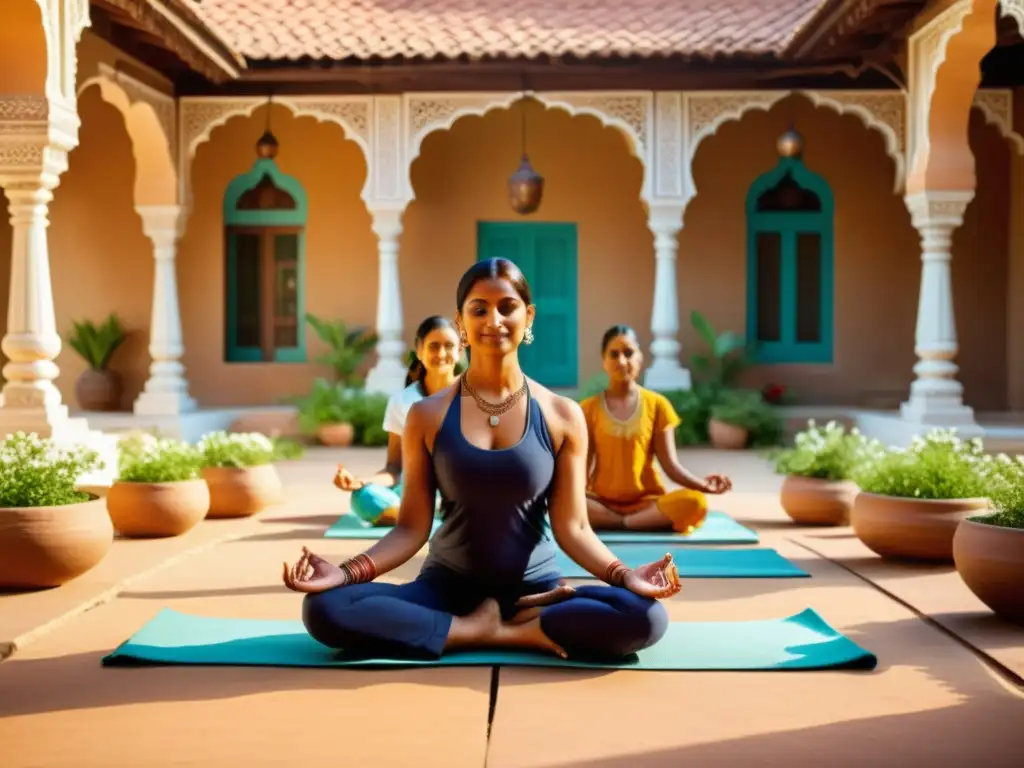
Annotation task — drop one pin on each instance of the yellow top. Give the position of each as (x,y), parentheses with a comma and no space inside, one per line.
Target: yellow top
(624,469)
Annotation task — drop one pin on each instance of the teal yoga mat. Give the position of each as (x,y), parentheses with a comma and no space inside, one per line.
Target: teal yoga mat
(719,528)
(349,526)
(803,641)
(699,563)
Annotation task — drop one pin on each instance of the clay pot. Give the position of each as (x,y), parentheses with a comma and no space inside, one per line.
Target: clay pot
(811,501)
(336,435)
(48,546)
(98,390)
(154,510)
(913,529)
(727,436)
(241,492)
(990,560)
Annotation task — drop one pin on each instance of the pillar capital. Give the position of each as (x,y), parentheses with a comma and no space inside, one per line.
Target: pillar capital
(164,225)
(938,208)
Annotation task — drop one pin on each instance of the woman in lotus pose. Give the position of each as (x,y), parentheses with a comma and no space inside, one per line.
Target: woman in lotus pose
(376,499)
(629,427)
(509,458)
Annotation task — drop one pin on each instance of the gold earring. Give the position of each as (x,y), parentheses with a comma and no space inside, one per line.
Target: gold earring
(462,339)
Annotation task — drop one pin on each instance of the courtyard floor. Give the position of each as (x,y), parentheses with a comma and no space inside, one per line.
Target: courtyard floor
(948,689)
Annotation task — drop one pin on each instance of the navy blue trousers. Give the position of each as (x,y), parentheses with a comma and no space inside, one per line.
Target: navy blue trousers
(412,620)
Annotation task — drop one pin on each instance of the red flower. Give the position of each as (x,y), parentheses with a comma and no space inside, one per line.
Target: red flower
(773,393)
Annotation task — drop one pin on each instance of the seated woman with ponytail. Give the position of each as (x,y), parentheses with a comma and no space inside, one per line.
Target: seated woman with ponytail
(629,427)
(436,352)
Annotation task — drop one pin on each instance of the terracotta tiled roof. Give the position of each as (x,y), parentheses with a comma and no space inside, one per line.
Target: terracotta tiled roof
(364,29)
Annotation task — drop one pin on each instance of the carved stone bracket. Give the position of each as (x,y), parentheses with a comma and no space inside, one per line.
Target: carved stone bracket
(36,135)
(630,112)
(997,107)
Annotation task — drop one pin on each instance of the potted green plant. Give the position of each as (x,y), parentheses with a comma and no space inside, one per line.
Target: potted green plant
(50,532)
(911,500)
(238,469)
(347,347)
(725,359)
(98,388)
(989,549)
(327,412)
(818,489)
(158,491)
(738,418)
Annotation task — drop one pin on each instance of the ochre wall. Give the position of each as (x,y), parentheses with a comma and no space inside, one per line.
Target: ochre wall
(592,180)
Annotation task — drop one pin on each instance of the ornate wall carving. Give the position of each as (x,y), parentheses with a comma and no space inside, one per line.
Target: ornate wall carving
(997,106)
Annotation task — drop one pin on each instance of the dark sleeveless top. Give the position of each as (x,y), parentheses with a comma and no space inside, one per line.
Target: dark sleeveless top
(494,503)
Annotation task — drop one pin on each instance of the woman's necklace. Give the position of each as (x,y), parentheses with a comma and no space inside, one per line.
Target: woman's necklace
(494,410)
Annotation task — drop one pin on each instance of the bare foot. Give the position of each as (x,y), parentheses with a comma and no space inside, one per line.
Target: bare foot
(476,628)
(527,634)
(483,628)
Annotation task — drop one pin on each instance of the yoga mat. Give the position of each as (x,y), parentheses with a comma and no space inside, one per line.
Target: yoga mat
(698,563)
(718,528)
(802,641)
(349,526)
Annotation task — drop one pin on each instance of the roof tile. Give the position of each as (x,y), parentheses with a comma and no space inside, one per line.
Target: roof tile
(364,29)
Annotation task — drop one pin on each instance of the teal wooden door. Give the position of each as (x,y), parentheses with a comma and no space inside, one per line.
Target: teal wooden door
(546,252)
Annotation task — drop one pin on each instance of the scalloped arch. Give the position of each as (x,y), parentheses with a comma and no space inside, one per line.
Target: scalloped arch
(999,113)
(454,107)
(706,113)
(156,175)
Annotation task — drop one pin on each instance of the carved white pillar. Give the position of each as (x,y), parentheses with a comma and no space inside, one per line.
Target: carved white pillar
(388,374)
(31,401)
(665,372)
(166,389)
(936,397)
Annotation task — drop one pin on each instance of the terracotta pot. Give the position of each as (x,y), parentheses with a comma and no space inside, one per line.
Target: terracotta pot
(48,546)
(811,501)
(153,510)
(98,390)
(727,436)
(990,560)
(241,492)
(913,529)
(336,435)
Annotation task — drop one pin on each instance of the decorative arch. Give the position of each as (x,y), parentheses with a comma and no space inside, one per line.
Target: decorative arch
(997,107)
(149,120)
(629,112)
(790,265)
(200,116)
(940,53)
(1015,10)
(265,214)
(882,111)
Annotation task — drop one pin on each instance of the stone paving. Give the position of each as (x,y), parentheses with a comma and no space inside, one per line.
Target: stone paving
(948,690)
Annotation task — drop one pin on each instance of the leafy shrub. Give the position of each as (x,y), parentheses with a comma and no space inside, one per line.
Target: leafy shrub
(937,466)
(35,472)
(326,403)
(158,461)
(694,408)
(748,410)
(367,418)
(287,450)
(1005,478)
(240,450)
(823,453)
(97,343)
(348,348)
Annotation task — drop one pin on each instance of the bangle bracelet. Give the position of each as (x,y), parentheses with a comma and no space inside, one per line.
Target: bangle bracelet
(359,570)
(615,573)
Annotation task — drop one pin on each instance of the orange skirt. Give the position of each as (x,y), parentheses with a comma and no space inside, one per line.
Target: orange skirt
(686,509)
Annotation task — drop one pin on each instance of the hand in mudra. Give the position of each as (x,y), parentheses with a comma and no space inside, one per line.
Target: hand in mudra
(717,484)
(346,481)
(311,573)
(656,580)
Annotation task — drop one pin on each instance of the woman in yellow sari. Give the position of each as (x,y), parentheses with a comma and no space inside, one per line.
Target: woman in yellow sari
(629,427)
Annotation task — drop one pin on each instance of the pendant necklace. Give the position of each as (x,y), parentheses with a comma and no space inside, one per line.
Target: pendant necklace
(494,410)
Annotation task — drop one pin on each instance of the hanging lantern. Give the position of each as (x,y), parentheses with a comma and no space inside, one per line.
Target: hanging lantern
(267,145)
(790,144)
(525,186)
